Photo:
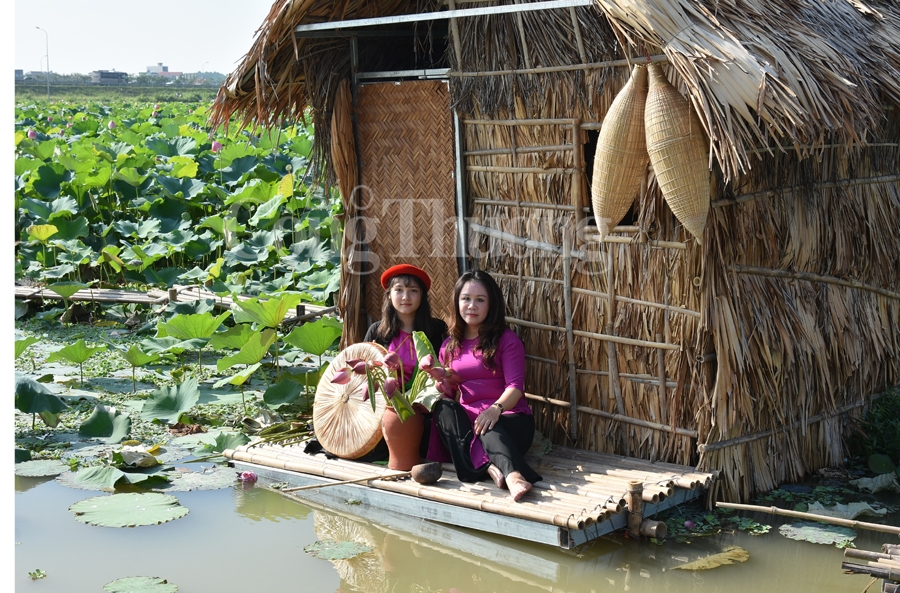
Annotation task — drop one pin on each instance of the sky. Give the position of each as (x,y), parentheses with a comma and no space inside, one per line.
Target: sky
(129,35)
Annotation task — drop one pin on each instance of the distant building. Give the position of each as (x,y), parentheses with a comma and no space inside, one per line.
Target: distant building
(20,74)
(109,77)
(161,70)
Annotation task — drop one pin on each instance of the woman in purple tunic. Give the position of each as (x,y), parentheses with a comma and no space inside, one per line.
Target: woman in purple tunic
(487,360)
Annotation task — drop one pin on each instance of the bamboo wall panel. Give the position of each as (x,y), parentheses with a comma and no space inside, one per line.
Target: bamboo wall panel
(406,146)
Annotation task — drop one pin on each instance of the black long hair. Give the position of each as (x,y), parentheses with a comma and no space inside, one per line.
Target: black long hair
(390,324)
(494,324)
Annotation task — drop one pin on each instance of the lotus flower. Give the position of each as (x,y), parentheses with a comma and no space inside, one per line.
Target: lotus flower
(360,367)
(111,125)
(392,361)
(155,114)
(446,388)
(365,396)
(390,386)
(49,118)
(216,146)
(156,107)
(32,134)
(354,361)
(688,524)
(248,477)
(427,363)
(438,373)
(342,377)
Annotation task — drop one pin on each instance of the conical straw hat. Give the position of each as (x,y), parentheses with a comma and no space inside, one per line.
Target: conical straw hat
(678,152)
(344,424)
(621,158)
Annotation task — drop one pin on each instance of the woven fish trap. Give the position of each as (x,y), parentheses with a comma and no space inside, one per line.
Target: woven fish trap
(344,424)
(620,161)
(678,151)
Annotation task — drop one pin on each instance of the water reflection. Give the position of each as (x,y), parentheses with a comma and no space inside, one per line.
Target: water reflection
(24,484)
(260,504)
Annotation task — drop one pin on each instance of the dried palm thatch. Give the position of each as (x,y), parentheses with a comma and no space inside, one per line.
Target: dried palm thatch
(344,423)
(677,148)
(620,163)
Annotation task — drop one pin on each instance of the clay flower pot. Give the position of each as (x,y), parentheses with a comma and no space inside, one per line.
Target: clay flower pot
(402,439)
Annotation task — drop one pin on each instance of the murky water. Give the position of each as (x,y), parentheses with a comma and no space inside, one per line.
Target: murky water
(251,539)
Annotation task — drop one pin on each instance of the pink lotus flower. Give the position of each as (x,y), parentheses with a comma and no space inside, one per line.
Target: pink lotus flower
(216,146)
(354,361)
(342,377)
(49,118)
(155,114)
(111,125)
(360,368)
(156,107)
(392,361)
(445,388)
(427,363)
(688,524)
(390,386)
(365,396)
(438,373)
(248,477)
(32,134)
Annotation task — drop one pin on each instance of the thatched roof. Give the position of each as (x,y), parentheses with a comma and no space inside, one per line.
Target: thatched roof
(757,71)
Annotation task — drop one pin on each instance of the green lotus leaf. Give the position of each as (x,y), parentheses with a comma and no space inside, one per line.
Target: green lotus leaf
(233,338)
(169,403)
(315,337)
(237,169)
(60,271)
(51,419)
(197,326)
(244,254)
(191,307)
(237,379)
(71,229)
(140,230)
(21,310)
(308,253)
(34,398)
(24,343)
(170,148)
(110,255)
(183,166)
(329,549)
(96,178)
(41,468)
(137,357)
(107,424)
(131,176)
(224,440)
(220,225)
(267,211)
(253,351)
(78,353)
(187,188)
(128,510)
(140,585)
(267,313)
(62,206)
(22,455)
(97,477)
(49,179)
(169,344)
(283,393)
(67,289)
(818,533)
(881,464)
(41,232)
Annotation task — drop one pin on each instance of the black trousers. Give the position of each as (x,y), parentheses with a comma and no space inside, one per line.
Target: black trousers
(505,444)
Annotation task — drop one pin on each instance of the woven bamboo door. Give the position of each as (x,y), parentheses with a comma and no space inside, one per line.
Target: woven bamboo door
(408,199)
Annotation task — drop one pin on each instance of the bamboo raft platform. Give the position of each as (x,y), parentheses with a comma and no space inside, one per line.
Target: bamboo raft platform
(884,565)
(179,294)
(581,498)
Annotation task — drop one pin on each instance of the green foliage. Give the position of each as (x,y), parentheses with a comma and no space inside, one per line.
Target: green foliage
(252,352)
(107,424)
(128,510)
(879,430)
(140,585)
(33,398)
(23,344)
(78,353)
(315,337)
(37,574)
(168,404)
(268,312)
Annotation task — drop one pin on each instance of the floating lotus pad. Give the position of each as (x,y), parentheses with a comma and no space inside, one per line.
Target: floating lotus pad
(41,468)
(140,585)
(730,555)
(211,478)
(818,533)
(128,510)
(328,549)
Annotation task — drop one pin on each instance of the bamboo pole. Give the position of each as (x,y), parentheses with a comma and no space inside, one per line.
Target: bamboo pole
(570,338)
(536,170)
(812,517)
(454,32)
(603,337)
(519,122)
(579,43)
(806,276)
(579,195)
(866,555)
(661,374)
(617,417)
(519,150)
(635,508)
(815,186)
(547,69)
(887,573)
(342,482)
(637,240)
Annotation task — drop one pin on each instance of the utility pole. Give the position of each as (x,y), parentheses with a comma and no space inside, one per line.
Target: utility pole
(47,41)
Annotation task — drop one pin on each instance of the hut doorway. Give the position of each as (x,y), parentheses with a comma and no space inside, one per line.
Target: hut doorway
(406,149)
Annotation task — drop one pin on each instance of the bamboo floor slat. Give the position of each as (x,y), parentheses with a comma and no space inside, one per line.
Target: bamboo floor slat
(575,493)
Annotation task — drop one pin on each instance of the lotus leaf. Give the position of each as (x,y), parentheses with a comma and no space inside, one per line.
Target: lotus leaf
(22,455)
(818,533)
(211,478)
(730,555)
(97,477)
(24,343)
(285,392)
(252,352)
(140,585)
(881,464)
(21,310)
(135,456)
(67,289)
(41,232)
(169,403)
(245,255)
(233,338)
(881,483)
(845,511)
(224,440)
(128,510)
(34,398)
(41,468)
(267,211)
(328,549)
(316,337)
(238,378)
(71,229)
(107,424)
(196,326)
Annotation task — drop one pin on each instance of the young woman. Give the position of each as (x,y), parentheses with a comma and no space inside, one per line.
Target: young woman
(405,309)
(489,428)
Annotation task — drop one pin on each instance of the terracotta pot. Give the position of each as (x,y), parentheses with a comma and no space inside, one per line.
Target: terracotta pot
(402,439)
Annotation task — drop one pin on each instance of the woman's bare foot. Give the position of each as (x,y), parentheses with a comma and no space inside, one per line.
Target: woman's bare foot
(518,485)
(496,475)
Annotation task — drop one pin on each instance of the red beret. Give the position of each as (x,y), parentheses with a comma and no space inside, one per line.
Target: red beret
(405,269)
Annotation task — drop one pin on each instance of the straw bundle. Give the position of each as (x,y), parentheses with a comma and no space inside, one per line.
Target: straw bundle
(621,158)
(345,424)
(678,152)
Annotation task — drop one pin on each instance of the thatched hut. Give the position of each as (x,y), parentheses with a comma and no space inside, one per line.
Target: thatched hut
(464,134)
